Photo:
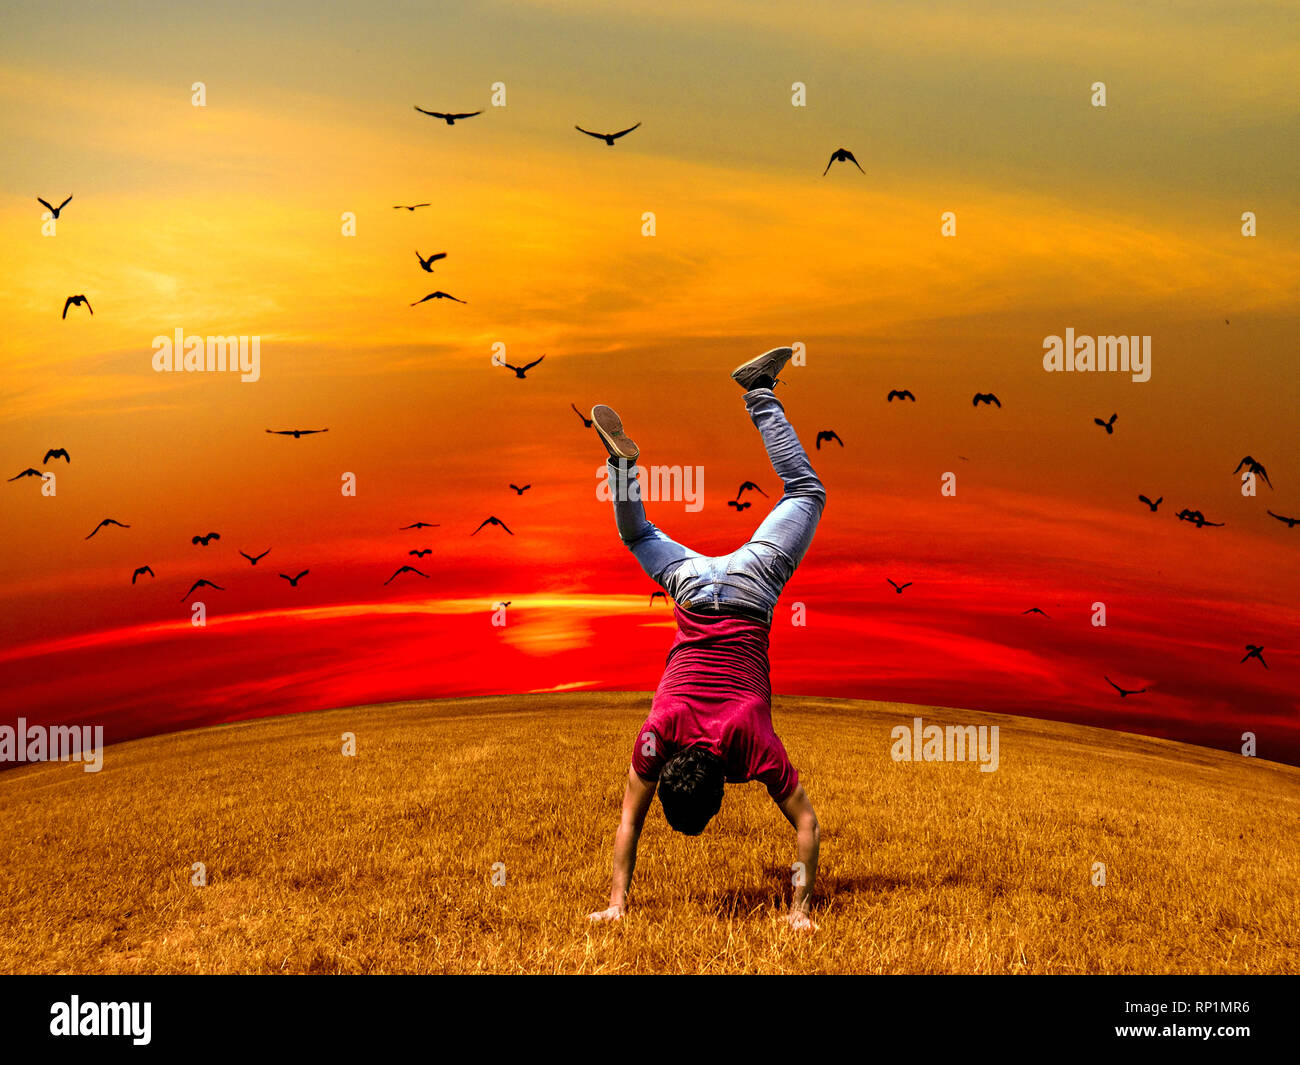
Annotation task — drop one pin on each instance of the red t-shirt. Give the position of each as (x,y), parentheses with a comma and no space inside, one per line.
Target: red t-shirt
(716,690)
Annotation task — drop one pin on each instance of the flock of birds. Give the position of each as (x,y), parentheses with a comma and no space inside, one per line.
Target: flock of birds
(427,263)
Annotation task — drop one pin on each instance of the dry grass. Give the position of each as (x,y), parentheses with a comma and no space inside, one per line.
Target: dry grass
(383,862)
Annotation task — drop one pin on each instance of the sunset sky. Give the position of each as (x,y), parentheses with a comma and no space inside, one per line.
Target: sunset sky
(226,219)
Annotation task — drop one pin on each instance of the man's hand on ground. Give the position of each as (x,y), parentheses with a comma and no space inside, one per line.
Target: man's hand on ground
(800,921)
(614,913)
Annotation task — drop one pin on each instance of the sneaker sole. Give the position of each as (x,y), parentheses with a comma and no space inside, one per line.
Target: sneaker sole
(610,427)
(769,364)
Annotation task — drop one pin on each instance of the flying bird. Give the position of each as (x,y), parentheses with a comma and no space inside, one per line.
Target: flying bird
(293,581)
(54,211)
(1035,610)
(201,582)
(139,570)
(586,422)
(254,559)
(410,207)
(1291,523)
(520,491)
(1253,650)
(750,486)
(57,453)
(427,264)
(439,295)
(493,520)
(739,506)
(406,569)
(841,155)
(828,434)
(899,587)
(660,595)
(900,393)
(29,472)
(205,540)
(421,552)
(985,397)
(1109,426)
(107,521)
(1123,692)
(296,433)
(77,301)
(1148,502)
(420,525)
(1253,467)
(1196,518)
(450,119)
(504,602)
(608,138)
(520,371)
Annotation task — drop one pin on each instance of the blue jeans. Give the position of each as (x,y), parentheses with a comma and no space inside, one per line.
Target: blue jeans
(754,575)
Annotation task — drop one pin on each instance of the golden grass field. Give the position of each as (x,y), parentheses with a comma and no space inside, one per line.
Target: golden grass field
(382,862)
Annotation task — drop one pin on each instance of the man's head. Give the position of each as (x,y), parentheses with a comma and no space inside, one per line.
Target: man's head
(691,785)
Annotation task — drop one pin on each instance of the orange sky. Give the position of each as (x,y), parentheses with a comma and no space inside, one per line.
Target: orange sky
(225,220)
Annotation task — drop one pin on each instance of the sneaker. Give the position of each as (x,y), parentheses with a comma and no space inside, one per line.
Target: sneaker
(610,427)
(769,364)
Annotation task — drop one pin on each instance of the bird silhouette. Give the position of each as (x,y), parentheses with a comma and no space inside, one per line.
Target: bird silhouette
(1124,693)
(1035,610)
(296,433)
(29,472)
(420,525)
(841,155)
(56,453)
(201,583)
(1253,467)
(739,506)
(254,559)
(1148,502)
(406,569)
(421,552)
(139,570)
(427,264)
(750,486)
(410,207)
(657,595)
(205,540)
(1254,650)
(107,521)
(1291,523)
(900,393)
(608,138)
(828,434)
(1196,518)
(1109,426)
(493,520)
(586,422)
(504,602)
(439,295)
(54,211)
(450,119)
(899,587)
(520,371)
(293,581)
(77,301)
(985,397)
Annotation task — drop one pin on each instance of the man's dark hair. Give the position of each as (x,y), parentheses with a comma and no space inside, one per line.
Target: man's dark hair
(691,785)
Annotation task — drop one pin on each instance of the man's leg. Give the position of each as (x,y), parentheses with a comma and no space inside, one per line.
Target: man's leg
(790,526)
(655,551)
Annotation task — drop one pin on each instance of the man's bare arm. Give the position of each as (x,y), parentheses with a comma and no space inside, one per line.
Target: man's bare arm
(799,812)
(636,804)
